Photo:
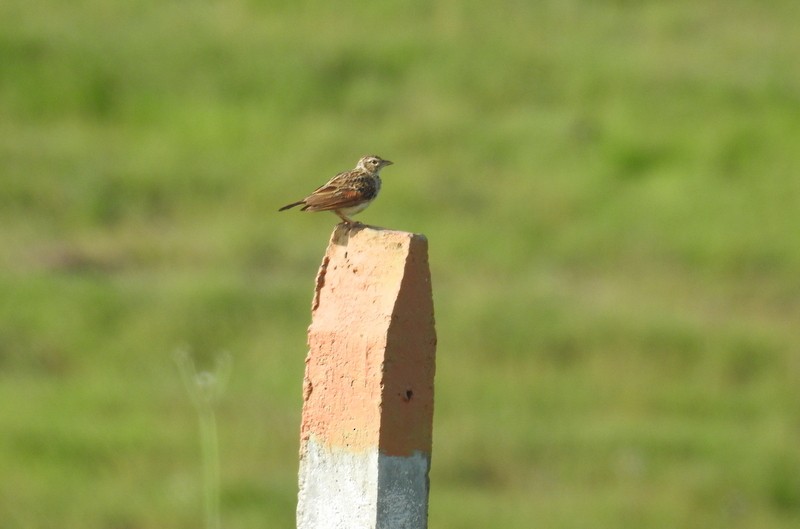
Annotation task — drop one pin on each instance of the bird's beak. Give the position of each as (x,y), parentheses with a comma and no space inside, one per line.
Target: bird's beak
(387,162)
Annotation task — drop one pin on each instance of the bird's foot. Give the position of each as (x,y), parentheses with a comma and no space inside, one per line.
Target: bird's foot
(350,224)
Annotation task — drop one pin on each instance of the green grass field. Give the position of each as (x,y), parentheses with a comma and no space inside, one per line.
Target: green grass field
(611,193)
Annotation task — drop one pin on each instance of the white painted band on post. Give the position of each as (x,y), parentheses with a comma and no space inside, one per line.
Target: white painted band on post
(340,489)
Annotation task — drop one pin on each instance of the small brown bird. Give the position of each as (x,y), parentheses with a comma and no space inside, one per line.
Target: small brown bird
(347,193)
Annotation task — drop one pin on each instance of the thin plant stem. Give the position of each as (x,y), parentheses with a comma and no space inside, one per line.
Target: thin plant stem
(211,479)
(205,389)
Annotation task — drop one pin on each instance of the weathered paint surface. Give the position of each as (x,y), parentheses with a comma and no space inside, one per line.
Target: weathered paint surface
(337,488)
(368,388)
(403,491)
(340,489)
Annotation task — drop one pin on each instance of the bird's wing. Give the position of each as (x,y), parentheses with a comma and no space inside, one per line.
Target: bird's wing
(333,195)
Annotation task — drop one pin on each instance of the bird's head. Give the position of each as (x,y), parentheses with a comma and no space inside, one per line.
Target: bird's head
(372,163)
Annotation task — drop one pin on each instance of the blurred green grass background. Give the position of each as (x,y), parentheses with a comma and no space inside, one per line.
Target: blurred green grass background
(610,190)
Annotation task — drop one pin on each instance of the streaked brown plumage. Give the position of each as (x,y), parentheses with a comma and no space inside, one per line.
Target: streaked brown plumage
(346,193)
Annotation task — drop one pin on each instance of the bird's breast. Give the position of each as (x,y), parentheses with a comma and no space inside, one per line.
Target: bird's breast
(368,187)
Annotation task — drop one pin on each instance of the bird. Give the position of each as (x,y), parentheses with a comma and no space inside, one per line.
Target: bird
(347,193)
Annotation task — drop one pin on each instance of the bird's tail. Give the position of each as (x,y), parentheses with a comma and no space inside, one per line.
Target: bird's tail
(290,206)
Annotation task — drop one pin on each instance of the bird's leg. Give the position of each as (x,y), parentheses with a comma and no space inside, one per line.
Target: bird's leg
(345,218)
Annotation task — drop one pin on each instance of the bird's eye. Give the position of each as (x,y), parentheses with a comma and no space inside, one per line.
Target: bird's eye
(374,161)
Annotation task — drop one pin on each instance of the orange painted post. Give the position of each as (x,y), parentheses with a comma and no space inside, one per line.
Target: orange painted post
(368,388)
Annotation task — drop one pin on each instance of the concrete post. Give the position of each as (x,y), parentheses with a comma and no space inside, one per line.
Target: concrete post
(368,388)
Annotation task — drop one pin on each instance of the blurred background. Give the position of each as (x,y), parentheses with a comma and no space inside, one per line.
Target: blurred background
(610,190)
